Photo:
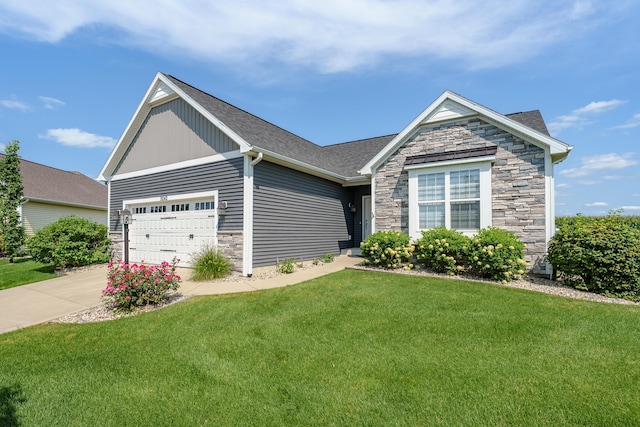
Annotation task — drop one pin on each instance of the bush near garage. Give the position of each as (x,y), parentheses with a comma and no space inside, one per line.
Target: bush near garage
(443,250)
(598,254)
(70,242)
(387,249)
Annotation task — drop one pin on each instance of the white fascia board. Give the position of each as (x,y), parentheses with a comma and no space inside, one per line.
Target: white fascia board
(244,145)
(558,149)
(180,165)
(121,146)
(150,100)
(298,165)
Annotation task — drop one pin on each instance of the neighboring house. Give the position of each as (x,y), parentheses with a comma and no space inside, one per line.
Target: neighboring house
(195,170)
(51,194)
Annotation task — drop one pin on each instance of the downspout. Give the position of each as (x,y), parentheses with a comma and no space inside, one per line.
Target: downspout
(247,226)
(257,159)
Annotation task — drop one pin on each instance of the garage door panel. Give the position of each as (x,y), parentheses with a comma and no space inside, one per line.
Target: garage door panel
(157,237)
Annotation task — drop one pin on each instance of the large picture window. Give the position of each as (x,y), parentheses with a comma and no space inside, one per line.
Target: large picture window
(456,197)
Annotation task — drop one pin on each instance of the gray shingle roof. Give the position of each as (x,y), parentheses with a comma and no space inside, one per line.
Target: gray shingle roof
(344,159)
(532,119)
(47,183)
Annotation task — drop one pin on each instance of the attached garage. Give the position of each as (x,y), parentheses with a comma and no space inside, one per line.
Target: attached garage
(167,227)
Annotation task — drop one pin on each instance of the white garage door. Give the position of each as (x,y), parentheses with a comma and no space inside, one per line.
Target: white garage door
(161,231)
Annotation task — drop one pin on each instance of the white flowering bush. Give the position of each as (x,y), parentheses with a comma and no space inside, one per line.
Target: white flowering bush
(497,254)
(443,250)
(387,249)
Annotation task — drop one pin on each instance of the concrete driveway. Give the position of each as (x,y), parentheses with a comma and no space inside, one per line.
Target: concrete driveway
(48,300)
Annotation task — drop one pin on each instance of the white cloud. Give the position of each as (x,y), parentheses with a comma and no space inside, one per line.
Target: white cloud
(599,163)
(581,117)
(51,103)
(597,204)
(598,107)
(630,208)
(14,105)
(329,36)
(3,147)
(79,138)
(633,122)
(563,185)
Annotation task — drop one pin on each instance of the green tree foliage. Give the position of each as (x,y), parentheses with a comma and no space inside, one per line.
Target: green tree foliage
(70,242)
(11,195)
(598,254)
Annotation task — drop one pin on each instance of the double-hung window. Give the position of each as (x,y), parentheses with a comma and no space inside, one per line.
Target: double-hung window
(452,196)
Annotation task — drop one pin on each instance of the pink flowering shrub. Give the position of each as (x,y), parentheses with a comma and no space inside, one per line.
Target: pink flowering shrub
(134,285)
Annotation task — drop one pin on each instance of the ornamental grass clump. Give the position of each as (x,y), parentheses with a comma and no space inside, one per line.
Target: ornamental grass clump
(387,249)
(210,264)
(130,286)
(497,254)
(443,250)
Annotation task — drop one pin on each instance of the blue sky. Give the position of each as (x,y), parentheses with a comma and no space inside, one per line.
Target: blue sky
(74,71)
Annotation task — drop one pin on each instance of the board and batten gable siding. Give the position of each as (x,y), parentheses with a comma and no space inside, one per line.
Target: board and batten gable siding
(171,133)
(36,215)
(297,215)
(225,176)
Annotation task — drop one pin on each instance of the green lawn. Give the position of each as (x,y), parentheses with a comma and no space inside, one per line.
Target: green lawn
(22,272)
(351,348)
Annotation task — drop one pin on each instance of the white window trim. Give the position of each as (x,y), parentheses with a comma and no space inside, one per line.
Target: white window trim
(485,192)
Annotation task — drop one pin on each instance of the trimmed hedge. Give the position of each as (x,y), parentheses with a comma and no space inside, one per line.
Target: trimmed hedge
(598,254)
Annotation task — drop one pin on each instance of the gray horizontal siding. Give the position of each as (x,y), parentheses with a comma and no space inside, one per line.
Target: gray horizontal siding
(171,133)
(298,215)
(225,176)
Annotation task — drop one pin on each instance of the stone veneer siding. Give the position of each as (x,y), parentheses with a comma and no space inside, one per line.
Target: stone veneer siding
(517,181)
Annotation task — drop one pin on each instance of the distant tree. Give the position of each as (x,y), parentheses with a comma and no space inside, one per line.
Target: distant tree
(11,195)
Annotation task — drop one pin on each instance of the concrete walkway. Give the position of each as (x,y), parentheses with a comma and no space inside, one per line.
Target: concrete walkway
(48,300)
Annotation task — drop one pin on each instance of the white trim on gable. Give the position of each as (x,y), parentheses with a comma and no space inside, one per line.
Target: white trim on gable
(451,106)
(161,89)
(180,165)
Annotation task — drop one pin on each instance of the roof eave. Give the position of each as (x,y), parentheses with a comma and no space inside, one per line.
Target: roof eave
(146,104)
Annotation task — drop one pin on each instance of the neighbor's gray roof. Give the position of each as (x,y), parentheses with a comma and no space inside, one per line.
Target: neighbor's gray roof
(345,159)
(46,183)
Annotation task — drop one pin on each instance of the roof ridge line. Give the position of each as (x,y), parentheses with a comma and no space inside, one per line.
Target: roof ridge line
(244,111)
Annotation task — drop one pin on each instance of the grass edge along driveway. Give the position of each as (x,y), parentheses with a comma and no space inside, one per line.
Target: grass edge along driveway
(23,272)
(350,348)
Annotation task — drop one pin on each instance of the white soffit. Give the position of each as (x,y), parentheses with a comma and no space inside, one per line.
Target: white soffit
(448,110)
(161,91)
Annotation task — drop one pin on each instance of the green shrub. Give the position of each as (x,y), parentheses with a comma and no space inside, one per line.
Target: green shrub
(443,250)
(134,285)
(327,258)
(497,254)
(209,264)
(387,249)
(70,242)
(601,255)
(286,266)
(632,221)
